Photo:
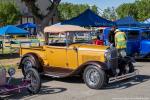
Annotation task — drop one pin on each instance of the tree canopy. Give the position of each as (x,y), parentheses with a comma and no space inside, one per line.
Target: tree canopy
(69,10)
(139,10)
(110,13)
(9,13)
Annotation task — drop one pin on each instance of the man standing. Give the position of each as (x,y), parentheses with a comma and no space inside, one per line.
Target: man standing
(120,42)
(111,36)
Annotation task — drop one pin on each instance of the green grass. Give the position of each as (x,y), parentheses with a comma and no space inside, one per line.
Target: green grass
(9,66)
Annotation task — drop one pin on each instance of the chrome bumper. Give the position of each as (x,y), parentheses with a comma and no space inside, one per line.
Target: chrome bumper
(122,77)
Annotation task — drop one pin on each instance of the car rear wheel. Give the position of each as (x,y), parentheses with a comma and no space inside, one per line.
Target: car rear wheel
(94,77)
(30,62)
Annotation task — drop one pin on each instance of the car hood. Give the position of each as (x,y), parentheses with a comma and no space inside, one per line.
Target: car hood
(90,47)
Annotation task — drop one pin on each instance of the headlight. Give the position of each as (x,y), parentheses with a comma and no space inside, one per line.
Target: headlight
(107,55)
(11,71)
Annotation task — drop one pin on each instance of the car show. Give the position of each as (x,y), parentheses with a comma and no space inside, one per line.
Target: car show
(73,50)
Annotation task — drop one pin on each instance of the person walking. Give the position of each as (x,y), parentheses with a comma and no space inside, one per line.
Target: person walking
(111,36)
(120,42)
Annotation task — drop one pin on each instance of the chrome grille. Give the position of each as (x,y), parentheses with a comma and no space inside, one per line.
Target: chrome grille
(113,62)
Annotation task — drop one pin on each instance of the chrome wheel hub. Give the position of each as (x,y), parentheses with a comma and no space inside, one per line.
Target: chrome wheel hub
(92,77)
(27,65)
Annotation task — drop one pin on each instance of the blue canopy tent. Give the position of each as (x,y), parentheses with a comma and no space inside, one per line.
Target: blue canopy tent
(31,27)
(127,21)
(12,30)
(88,19)
(27,25)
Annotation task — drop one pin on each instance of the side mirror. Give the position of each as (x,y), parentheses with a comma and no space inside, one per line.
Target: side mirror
(11,71)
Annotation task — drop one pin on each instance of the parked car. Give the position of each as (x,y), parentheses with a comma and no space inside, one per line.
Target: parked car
(138,41)
(71,54)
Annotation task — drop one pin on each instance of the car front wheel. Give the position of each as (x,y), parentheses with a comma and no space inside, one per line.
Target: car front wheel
(94,77)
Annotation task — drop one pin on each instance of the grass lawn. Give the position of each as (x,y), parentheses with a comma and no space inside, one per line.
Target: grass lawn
(9,60)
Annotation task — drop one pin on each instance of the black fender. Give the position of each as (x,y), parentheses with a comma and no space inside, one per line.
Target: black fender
(35,57)
(129,59)
(98,64)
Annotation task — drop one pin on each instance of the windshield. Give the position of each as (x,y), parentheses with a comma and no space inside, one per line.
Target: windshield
(146,35)
(79,37)
(133,34)
(70,38)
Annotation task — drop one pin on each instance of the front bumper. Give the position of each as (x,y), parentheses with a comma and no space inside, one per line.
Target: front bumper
(122,77)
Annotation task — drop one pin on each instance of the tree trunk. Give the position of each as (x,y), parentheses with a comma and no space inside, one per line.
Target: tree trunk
(40,20)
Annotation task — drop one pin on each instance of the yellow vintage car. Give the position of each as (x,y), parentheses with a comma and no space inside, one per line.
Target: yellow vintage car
(68,51)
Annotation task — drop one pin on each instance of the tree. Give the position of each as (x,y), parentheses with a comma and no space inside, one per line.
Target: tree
(143,7)
(69,10)
(127,9)
(9,14)
(110,13)
(139,10)
(42,19)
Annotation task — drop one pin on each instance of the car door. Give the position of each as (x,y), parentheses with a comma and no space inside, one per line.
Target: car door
(57,56)
(72,57)
(133,42)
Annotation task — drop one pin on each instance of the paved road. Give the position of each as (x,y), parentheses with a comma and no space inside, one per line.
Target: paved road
(75,89)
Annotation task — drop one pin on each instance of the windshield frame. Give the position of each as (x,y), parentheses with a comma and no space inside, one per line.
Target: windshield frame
(74,35)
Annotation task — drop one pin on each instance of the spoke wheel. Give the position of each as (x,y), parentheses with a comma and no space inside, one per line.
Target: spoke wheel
(34,79)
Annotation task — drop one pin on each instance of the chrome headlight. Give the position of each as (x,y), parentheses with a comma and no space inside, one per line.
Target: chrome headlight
(11,71)
(107,55)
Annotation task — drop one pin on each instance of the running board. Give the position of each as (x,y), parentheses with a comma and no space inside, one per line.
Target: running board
(122,77)
(58,75)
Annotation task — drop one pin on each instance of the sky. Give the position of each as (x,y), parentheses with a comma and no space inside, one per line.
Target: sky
(101,4)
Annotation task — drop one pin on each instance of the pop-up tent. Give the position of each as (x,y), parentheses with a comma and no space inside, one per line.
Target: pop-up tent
(12,30)
(27,25)
(88,19)
(127,21)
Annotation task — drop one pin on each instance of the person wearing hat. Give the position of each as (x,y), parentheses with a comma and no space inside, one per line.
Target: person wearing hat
(120,42)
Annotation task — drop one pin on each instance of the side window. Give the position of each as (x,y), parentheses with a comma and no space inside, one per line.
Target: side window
(57,39)
(146,35)
(133,35)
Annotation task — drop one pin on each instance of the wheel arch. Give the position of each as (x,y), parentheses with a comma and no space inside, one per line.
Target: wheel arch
(99,64)
(36,58)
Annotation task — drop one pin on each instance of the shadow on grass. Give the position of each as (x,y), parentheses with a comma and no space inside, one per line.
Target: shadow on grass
(9,56)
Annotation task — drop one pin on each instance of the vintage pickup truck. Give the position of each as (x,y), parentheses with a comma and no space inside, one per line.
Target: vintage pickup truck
(138,41)
(68,52)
